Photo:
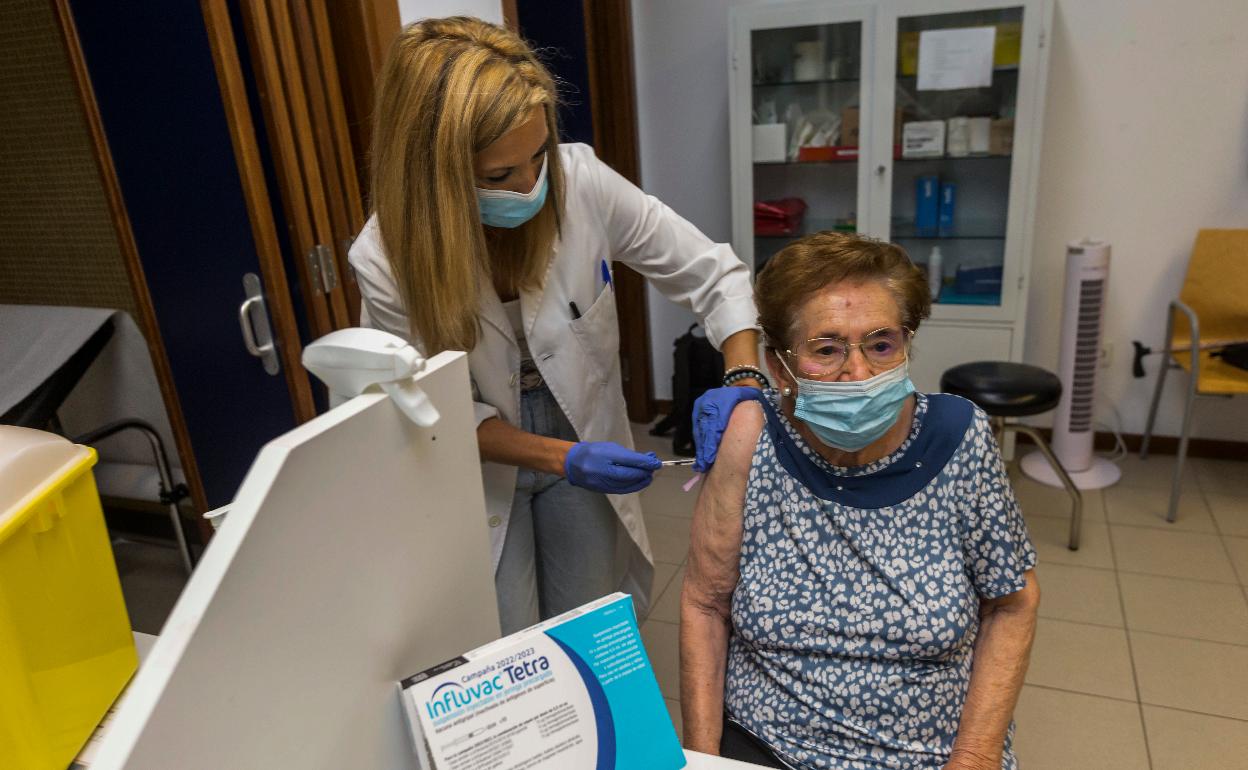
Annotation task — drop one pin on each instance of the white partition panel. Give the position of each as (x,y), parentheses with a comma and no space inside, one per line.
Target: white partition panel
(355,553)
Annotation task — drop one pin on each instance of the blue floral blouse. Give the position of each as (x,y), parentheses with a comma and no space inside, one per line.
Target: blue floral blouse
(855,617)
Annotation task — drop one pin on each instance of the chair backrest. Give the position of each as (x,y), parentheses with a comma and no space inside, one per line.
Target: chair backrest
(1216,286)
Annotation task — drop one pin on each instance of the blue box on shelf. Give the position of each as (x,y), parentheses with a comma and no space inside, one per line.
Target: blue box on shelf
(977,280)
(948,194)
(926,205)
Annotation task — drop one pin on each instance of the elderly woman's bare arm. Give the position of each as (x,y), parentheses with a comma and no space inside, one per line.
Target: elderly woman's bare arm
(1007,627)
(710,578)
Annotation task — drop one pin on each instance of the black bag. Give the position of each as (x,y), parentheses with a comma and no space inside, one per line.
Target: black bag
(698,368)
(1235,355)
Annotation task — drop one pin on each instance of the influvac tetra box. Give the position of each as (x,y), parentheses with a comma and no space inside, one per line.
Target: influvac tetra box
(576,691)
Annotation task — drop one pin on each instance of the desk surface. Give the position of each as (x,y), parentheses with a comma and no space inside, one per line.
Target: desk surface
(144,642)
(707,762)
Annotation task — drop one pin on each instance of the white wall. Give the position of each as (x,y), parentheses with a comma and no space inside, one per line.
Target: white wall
(681,58)
(1145,142)
(414,10)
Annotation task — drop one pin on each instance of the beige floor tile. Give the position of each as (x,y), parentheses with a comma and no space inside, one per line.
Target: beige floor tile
(1223,477)
(1143,507)
(663,574)
(662,642)
(1063,731)
(1079,594)
(1154,473)
(1038,499)
(1211,611)
(1209,677)
(673,710)
(669,537)
(644,442)
(1238,548)
(667,609)
(1178,740)
(1230,512)
(1050,537)
(1190,555)
(1081,658)
(665,495)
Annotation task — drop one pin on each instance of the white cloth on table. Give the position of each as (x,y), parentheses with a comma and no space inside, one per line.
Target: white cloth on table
(36,340)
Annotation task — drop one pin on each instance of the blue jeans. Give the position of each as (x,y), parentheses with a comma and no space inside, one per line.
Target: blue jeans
(560,546)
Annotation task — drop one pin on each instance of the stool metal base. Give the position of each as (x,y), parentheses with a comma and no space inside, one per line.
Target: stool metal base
(1001,427)
(1102,473)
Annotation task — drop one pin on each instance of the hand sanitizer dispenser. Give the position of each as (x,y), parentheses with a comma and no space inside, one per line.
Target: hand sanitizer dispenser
(350,361)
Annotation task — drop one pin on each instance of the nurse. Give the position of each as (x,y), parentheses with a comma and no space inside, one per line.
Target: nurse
(489,236)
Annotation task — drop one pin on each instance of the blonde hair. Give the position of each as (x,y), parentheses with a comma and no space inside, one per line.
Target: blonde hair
(448,89)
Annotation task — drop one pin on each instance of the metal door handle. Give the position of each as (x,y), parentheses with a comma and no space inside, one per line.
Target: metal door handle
(257,335)
(244,321)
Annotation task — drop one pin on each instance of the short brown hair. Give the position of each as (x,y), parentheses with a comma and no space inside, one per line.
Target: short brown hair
(809,264)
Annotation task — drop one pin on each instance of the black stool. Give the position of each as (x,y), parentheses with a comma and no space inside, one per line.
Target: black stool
(1004,389)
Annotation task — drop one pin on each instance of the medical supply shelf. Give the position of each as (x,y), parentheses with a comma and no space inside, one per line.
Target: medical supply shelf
(820,81)
(850,71)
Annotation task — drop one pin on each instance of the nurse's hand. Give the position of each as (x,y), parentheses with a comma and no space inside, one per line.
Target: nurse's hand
(710,418)
(607,467)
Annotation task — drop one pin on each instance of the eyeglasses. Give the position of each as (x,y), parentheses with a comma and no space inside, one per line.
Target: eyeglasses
(826,356)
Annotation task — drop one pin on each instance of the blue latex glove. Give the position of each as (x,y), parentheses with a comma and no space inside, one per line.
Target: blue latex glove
(607,467)
(710,419)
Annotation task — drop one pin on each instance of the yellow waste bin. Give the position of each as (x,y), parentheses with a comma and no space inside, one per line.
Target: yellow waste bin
(66,650)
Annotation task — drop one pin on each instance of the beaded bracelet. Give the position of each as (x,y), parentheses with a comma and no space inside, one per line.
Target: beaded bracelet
(746,372)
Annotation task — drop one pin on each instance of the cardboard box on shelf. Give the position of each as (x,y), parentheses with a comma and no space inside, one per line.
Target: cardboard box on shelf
(908,54)
(980,133)
(770,143)
(851,118)
(849,126)
(1007,48)
(1001,137)
(923,139)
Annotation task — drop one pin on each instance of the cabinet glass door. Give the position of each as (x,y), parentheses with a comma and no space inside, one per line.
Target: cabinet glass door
(806,87)
(956,93)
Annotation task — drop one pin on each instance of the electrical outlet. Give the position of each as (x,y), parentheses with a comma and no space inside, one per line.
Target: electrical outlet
(1107,354)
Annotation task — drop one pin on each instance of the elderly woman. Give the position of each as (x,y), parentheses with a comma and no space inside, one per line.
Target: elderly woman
(860,590)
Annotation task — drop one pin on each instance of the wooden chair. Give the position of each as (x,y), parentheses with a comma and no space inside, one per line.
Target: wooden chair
(1211,311)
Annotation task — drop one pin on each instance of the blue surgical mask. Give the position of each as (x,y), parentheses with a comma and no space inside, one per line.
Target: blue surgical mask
(504,208)
(851,415)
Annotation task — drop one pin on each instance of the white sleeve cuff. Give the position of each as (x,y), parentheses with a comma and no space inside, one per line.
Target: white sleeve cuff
(483,412)
(728,318)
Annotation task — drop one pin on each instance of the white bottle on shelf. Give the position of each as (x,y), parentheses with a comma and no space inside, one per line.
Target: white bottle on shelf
(935,272)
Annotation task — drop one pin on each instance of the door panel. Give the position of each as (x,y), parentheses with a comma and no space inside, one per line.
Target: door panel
(939,346)
(320,68)
(151,69)
(250,155)
(272,41)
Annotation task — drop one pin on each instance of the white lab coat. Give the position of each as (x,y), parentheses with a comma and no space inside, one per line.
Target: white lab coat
(606,218)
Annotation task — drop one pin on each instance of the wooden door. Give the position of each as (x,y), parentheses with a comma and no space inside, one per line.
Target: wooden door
(182,206)
(290,50)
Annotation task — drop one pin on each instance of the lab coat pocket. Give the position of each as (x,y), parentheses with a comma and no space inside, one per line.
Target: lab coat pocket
(598,331)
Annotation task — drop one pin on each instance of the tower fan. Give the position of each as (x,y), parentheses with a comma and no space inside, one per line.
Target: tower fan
(1087,277)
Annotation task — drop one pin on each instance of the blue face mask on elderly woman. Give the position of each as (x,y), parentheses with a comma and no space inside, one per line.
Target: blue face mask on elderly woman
(504,208)
(852,415)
